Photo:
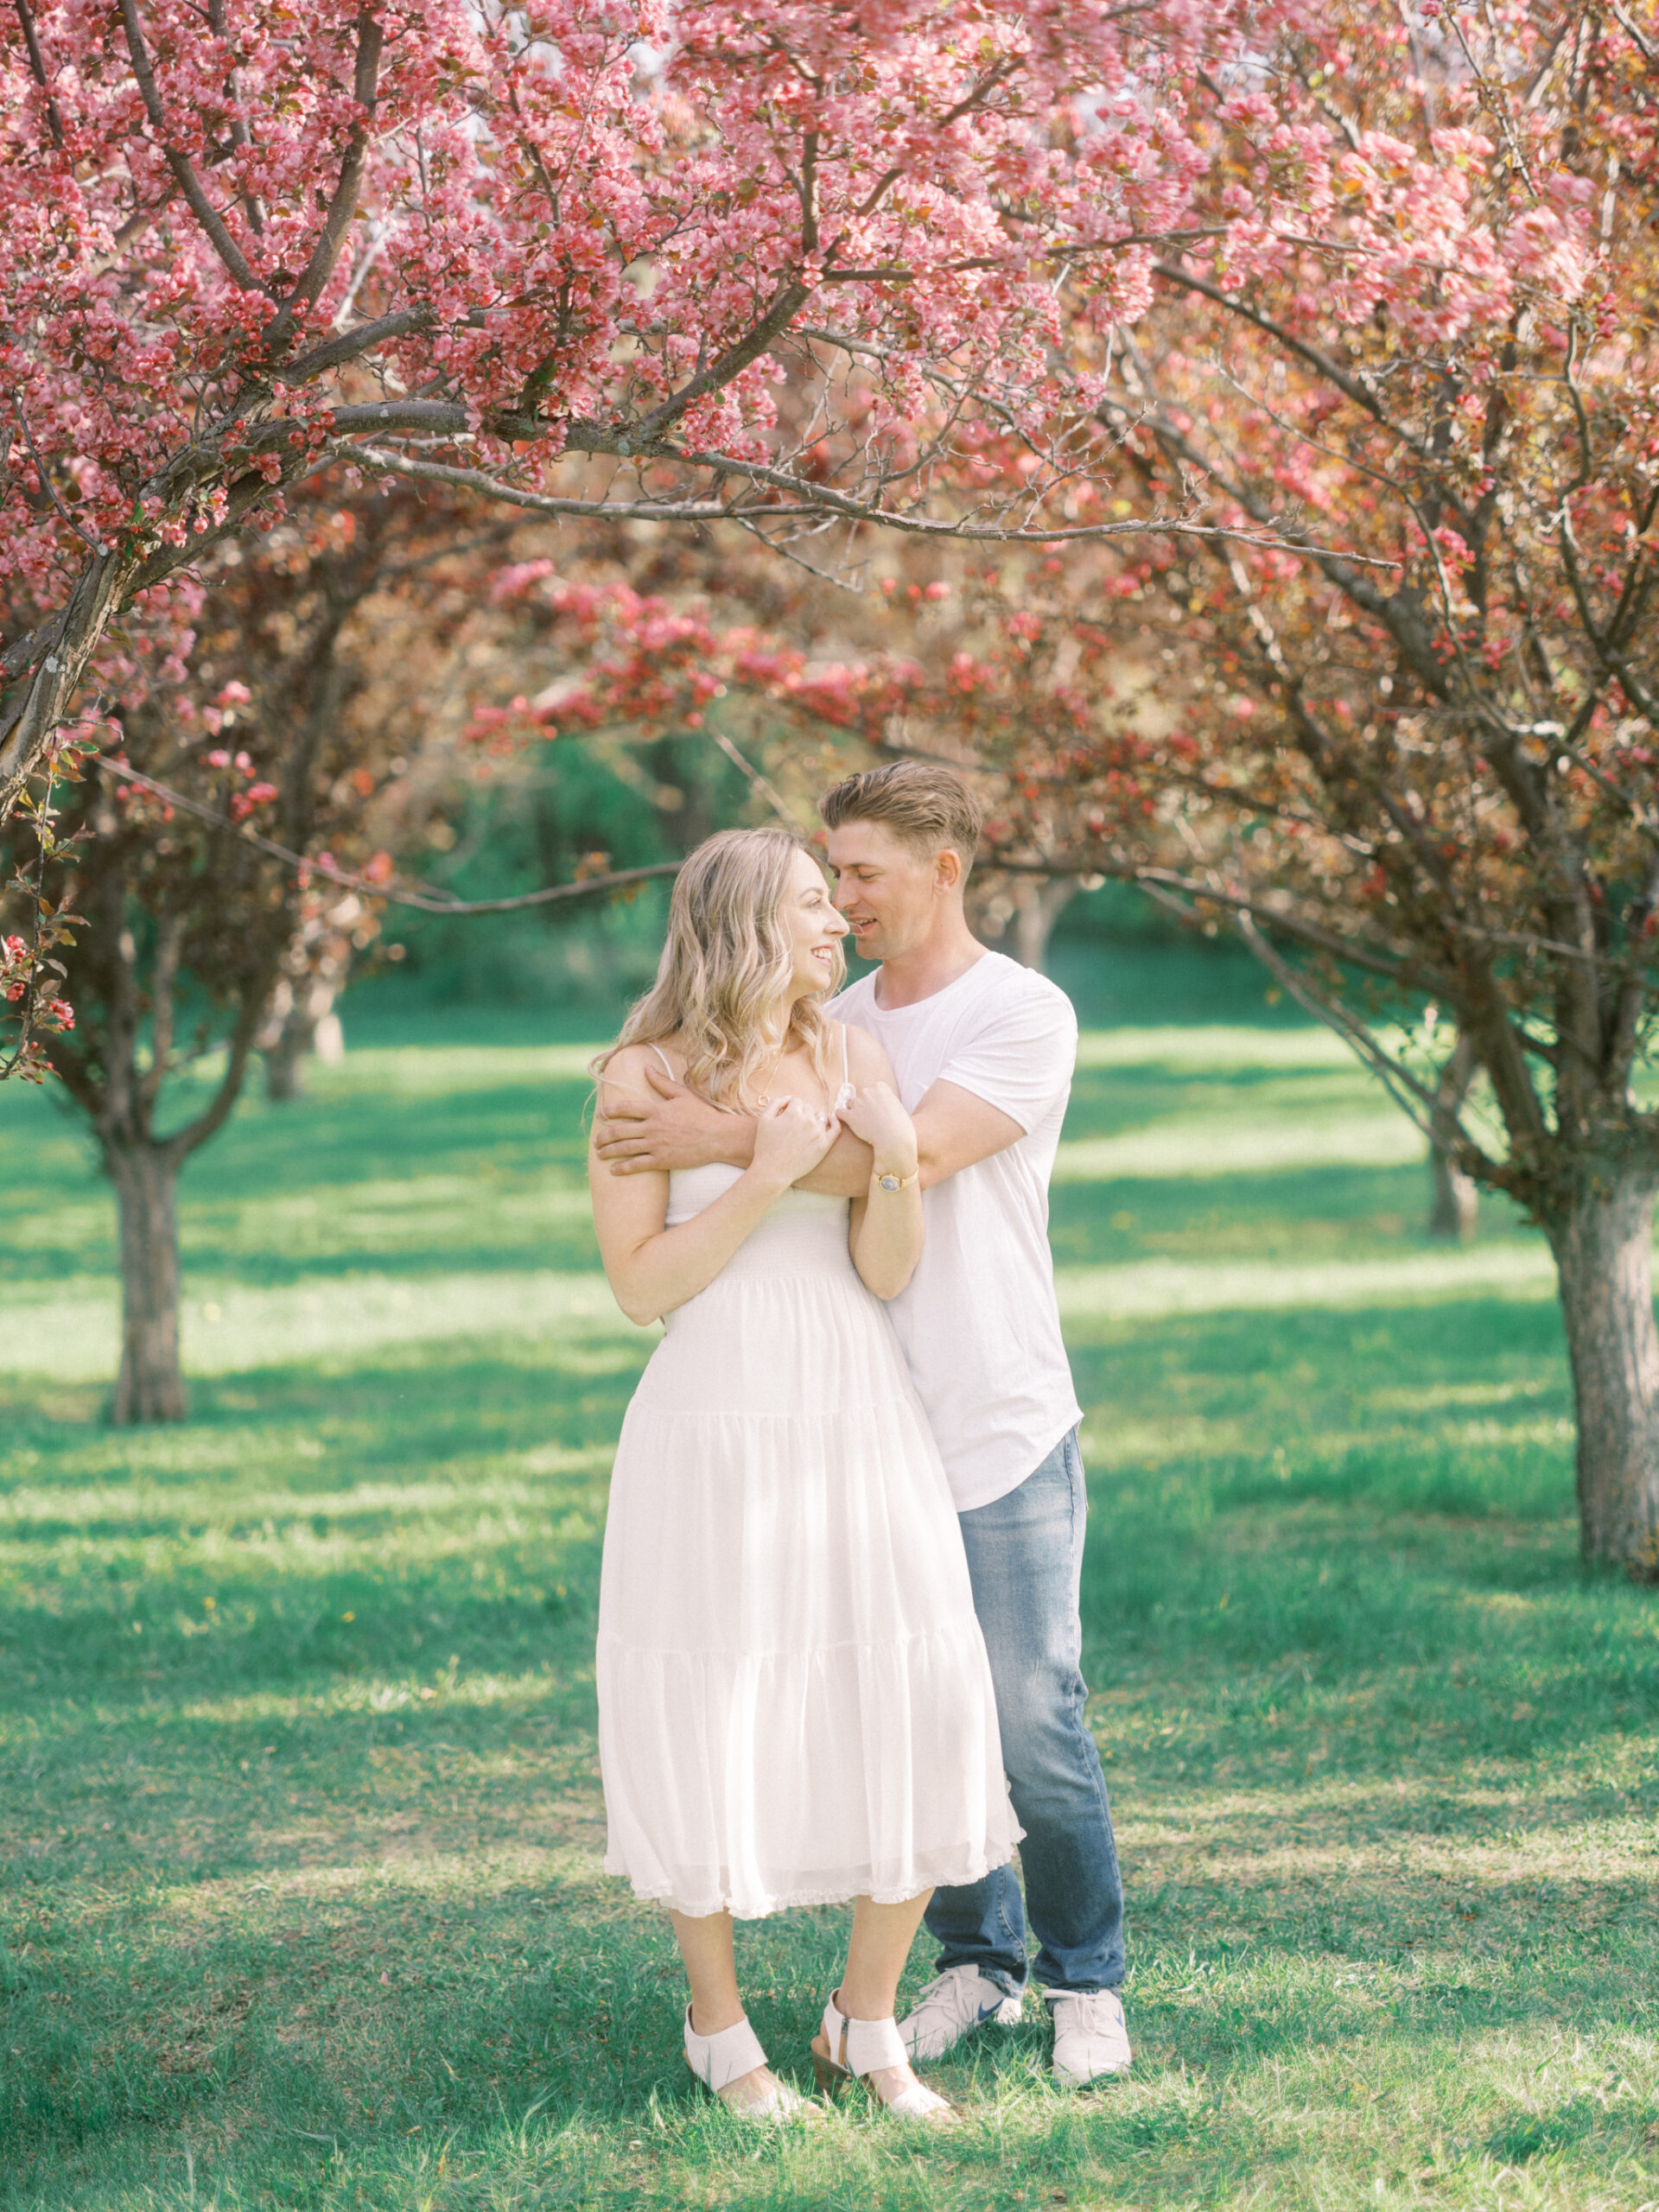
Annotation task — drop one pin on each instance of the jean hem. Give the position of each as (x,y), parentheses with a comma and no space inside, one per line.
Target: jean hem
(1000,1977)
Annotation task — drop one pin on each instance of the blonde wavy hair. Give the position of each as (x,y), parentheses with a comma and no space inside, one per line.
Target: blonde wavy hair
(725,969)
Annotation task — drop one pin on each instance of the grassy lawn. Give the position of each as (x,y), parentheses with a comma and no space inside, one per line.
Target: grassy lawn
(300,1888)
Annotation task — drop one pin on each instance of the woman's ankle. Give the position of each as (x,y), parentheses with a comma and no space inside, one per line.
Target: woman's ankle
(868,2005)
(725,2014)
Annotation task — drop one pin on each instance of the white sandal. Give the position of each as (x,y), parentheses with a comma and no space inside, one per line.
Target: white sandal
(854,2050)
(718,2061)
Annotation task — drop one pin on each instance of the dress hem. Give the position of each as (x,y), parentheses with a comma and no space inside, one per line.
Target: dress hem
(841,1894)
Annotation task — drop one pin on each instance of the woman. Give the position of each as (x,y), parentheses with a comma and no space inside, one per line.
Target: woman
(795,1705)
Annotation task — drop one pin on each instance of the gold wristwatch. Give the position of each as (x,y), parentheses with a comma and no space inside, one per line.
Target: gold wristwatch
(894,1182)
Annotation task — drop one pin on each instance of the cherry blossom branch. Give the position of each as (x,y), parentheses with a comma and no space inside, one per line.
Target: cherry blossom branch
(813,498)
(1649,54)
(47,485)
(37,65)
(758,783)
(1377,962)
(47,928)
(1403,625)
(1422,1106)
(182,168)
(336,223)
(1315,357)
(392,463)
(349,879)
(352,345)
(786,304)
(240,138)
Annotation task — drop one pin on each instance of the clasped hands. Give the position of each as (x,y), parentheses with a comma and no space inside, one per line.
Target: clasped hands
(676,1129)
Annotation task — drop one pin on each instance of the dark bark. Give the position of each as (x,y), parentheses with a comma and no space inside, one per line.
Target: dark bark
(52,676)
(285,1062)
(150,1386)
(285,1057)
(286,1041)
(1602,1239)
(1454,1204)
(307,1025)
(1454,1198)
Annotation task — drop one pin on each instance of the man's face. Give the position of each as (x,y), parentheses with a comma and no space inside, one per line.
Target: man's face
(889,893)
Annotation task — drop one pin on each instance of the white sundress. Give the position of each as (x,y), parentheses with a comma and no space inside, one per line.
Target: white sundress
(795,1706)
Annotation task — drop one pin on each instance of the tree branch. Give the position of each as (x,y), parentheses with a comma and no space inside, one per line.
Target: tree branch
(1375,961)
(182,1143)
(347,879)
(189,183)
(351,344)
(786,304)
(1349,385)
(342,207)
(37,65)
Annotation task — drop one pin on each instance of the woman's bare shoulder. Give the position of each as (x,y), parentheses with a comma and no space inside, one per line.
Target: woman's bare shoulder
(625,1068)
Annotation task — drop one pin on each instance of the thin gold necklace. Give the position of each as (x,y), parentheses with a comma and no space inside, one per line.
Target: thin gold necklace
(764,1097)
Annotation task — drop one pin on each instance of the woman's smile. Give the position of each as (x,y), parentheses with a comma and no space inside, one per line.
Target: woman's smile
(817,928)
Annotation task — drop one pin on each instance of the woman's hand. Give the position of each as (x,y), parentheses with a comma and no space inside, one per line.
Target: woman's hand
(876,1116)
(791,1138)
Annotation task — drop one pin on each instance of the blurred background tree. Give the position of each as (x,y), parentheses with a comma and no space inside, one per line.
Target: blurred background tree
(184,925)
(1412,760)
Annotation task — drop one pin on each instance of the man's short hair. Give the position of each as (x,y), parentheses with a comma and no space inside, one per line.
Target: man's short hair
(925,805)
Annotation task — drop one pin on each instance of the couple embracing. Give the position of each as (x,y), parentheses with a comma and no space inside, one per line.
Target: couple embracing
(838,1631)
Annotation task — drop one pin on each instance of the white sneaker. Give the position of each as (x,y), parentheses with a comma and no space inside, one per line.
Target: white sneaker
(1090,2040)
(954,2003)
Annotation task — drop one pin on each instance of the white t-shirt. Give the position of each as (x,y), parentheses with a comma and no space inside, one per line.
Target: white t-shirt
(979,1322)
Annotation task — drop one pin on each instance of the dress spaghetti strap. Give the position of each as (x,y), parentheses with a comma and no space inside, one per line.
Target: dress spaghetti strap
(633,1089)
(848,1092)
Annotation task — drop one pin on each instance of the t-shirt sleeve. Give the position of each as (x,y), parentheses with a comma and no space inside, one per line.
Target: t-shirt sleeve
(1019,1058)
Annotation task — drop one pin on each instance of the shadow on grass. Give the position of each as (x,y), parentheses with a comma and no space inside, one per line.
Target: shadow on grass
(410,2004)
(299,1821)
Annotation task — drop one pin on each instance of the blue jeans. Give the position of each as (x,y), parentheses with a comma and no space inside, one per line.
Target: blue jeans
(1024,1555)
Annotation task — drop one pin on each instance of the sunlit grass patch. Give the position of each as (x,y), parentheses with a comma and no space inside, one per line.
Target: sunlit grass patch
(330,1321)
(301,1900)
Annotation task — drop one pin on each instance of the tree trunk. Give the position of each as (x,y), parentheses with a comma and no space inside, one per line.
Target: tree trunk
(100,590)
(1037,908)
(1602,1240)
(1455,1203)
(302,1021)
(284,1058)
(150,1386)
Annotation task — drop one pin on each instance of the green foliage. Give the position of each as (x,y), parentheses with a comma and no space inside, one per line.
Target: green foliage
(300,1897)
(531,825)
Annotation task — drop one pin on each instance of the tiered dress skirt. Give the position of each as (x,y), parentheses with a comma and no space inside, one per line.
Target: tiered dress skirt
(795,1704)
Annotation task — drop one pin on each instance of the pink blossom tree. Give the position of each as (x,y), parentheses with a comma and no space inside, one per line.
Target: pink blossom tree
(1413,746)
(802,264)
(185,913)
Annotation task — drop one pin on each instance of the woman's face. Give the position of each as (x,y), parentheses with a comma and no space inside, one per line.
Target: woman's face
(812,926)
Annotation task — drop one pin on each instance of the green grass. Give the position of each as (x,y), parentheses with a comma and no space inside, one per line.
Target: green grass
(300,1894)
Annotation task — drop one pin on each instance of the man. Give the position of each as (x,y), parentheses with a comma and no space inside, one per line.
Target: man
(983,1050)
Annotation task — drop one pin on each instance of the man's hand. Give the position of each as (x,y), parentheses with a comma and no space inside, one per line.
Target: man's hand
(640,1136)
